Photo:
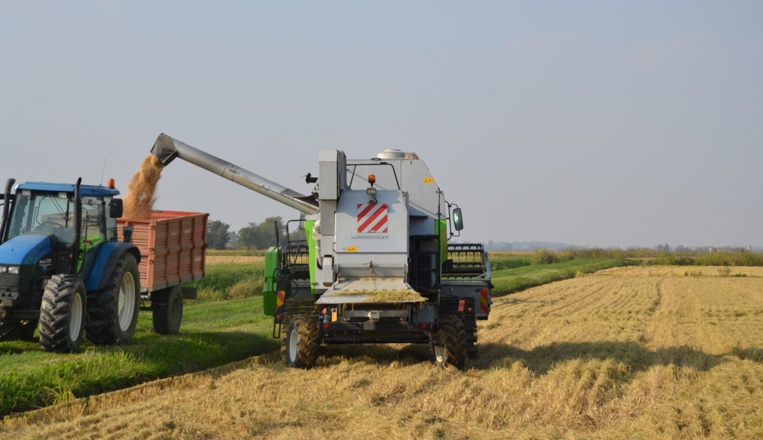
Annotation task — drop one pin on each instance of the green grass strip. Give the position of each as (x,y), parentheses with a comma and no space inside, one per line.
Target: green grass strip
(212,334)
(507,281)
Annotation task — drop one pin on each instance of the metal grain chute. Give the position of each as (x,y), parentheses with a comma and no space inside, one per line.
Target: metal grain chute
(166,149)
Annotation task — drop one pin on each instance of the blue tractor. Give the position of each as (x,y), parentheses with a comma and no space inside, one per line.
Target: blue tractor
(63,268)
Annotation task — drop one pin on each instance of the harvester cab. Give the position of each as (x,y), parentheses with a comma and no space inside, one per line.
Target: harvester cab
(378,269)
(62,266)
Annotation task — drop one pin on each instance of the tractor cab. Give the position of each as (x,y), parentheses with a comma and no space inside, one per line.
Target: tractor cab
(76,218)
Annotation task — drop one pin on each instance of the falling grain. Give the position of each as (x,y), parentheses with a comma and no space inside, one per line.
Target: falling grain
(141,192)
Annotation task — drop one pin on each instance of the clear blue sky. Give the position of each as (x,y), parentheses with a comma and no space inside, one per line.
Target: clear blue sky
(599,123)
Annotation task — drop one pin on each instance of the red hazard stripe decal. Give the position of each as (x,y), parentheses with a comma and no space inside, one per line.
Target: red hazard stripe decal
(279,298)
(483,301)
(372,218)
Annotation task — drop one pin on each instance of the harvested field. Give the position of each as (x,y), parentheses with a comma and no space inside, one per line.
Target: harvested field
(624,353)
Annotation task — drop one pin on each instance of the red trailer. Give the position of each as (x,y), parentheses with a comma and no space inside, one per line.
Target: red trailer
(172,251)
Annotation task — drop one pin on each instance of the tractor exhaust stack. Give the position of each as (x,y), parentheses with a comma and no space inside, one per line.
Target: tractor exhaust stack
(166,149)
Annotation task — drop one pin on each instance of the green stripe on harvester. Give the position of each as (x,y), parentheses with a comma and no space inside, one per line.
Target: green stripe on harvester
(441,229)
(311,252)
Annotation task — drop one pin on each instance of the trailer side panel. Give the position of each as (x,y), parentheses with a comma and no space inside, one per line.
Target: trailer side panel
(172,247)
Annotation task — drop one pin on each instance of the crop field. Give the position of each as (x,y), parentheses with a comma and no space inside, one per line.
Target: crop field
(632,352)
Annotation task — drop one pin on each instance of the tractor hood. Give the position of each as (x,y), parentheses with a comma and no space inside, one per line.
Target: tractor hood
(370,290)
(25,249)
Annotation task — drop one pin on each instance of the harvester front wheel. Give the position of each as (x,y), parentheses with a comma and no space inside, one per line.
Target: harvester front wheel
(302,342)
(62,314)
(448,345)
(167,309)
(114,313)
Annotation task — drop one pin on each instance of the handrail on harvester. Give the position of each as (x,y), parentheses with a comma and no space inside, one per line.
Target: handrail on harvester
(166,149)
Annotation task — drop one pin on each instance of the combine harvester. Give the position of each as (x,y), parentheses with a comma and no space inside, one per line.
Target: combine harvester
(374,266)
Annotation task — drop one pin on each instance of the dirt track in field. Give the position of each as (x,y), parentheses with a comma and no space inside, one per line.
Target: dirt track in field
(624,353)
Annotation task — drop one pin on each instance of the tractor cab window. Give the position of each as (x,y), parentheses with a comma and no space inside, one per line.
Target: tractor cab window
(93,221)
(43,213)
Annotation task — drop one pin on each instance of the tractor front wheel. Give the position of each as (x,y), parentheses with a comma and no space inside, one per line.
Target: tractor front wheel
(167,309)
(448,345)
(62,314)
(302,342)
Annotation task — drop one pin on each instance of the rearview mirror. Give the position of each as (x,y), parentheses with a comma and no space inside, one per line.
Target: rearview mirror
(458,221)
(115,208)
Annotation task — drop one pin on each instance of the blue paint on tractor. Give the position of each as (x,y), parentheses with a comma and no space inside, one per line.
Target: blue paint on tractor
(85,190)
(25,249)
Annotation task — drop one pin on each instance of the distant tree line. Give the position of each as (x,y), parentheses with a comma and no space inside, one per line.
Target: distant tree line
(254,236)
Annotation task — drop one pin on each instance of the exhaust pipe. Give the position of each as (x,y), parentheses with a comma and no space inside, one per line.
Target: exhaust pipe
(166,149)
(6,205)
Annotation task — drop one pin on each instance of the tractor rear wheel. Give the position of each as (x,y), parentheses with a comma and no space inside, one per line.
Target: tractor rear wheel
(114,313)
(167,308)
(448,345)
(62,314)
(302,342)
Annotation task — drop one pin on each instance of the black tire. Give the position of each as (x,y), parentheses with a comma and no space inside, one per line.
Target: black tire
(62,314)
(302,342)
(113,315)
(472,352)
(167,308)
(448,345)
(471,347)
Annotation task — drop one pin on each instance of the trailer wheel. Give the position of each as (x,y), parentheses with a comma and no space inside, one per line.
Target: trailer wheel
(62,314)
(114,313)
(448,345)
(302,344)
(167,308)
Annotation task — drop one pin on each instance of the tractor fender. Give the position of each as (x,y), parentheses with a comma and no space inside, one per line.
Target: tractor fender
(107,258)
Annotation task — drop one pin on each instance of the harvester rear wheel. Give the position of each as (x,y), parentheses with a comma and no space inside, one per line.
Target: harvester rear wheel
(114,313)
(302,342)
(448,345)
(62,314)
(167,309)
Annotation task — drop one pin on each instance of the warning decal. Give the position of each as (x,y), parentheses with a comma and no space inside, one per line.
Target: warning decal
(372,218)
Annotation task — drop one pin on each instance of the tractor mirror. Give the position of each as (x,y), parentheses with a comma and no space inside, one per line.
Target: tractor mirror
(458,221)
(115,208)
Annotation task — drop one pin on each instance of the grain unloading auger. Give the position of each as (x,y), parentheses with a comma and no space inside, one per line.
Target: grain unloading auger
(375,265)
